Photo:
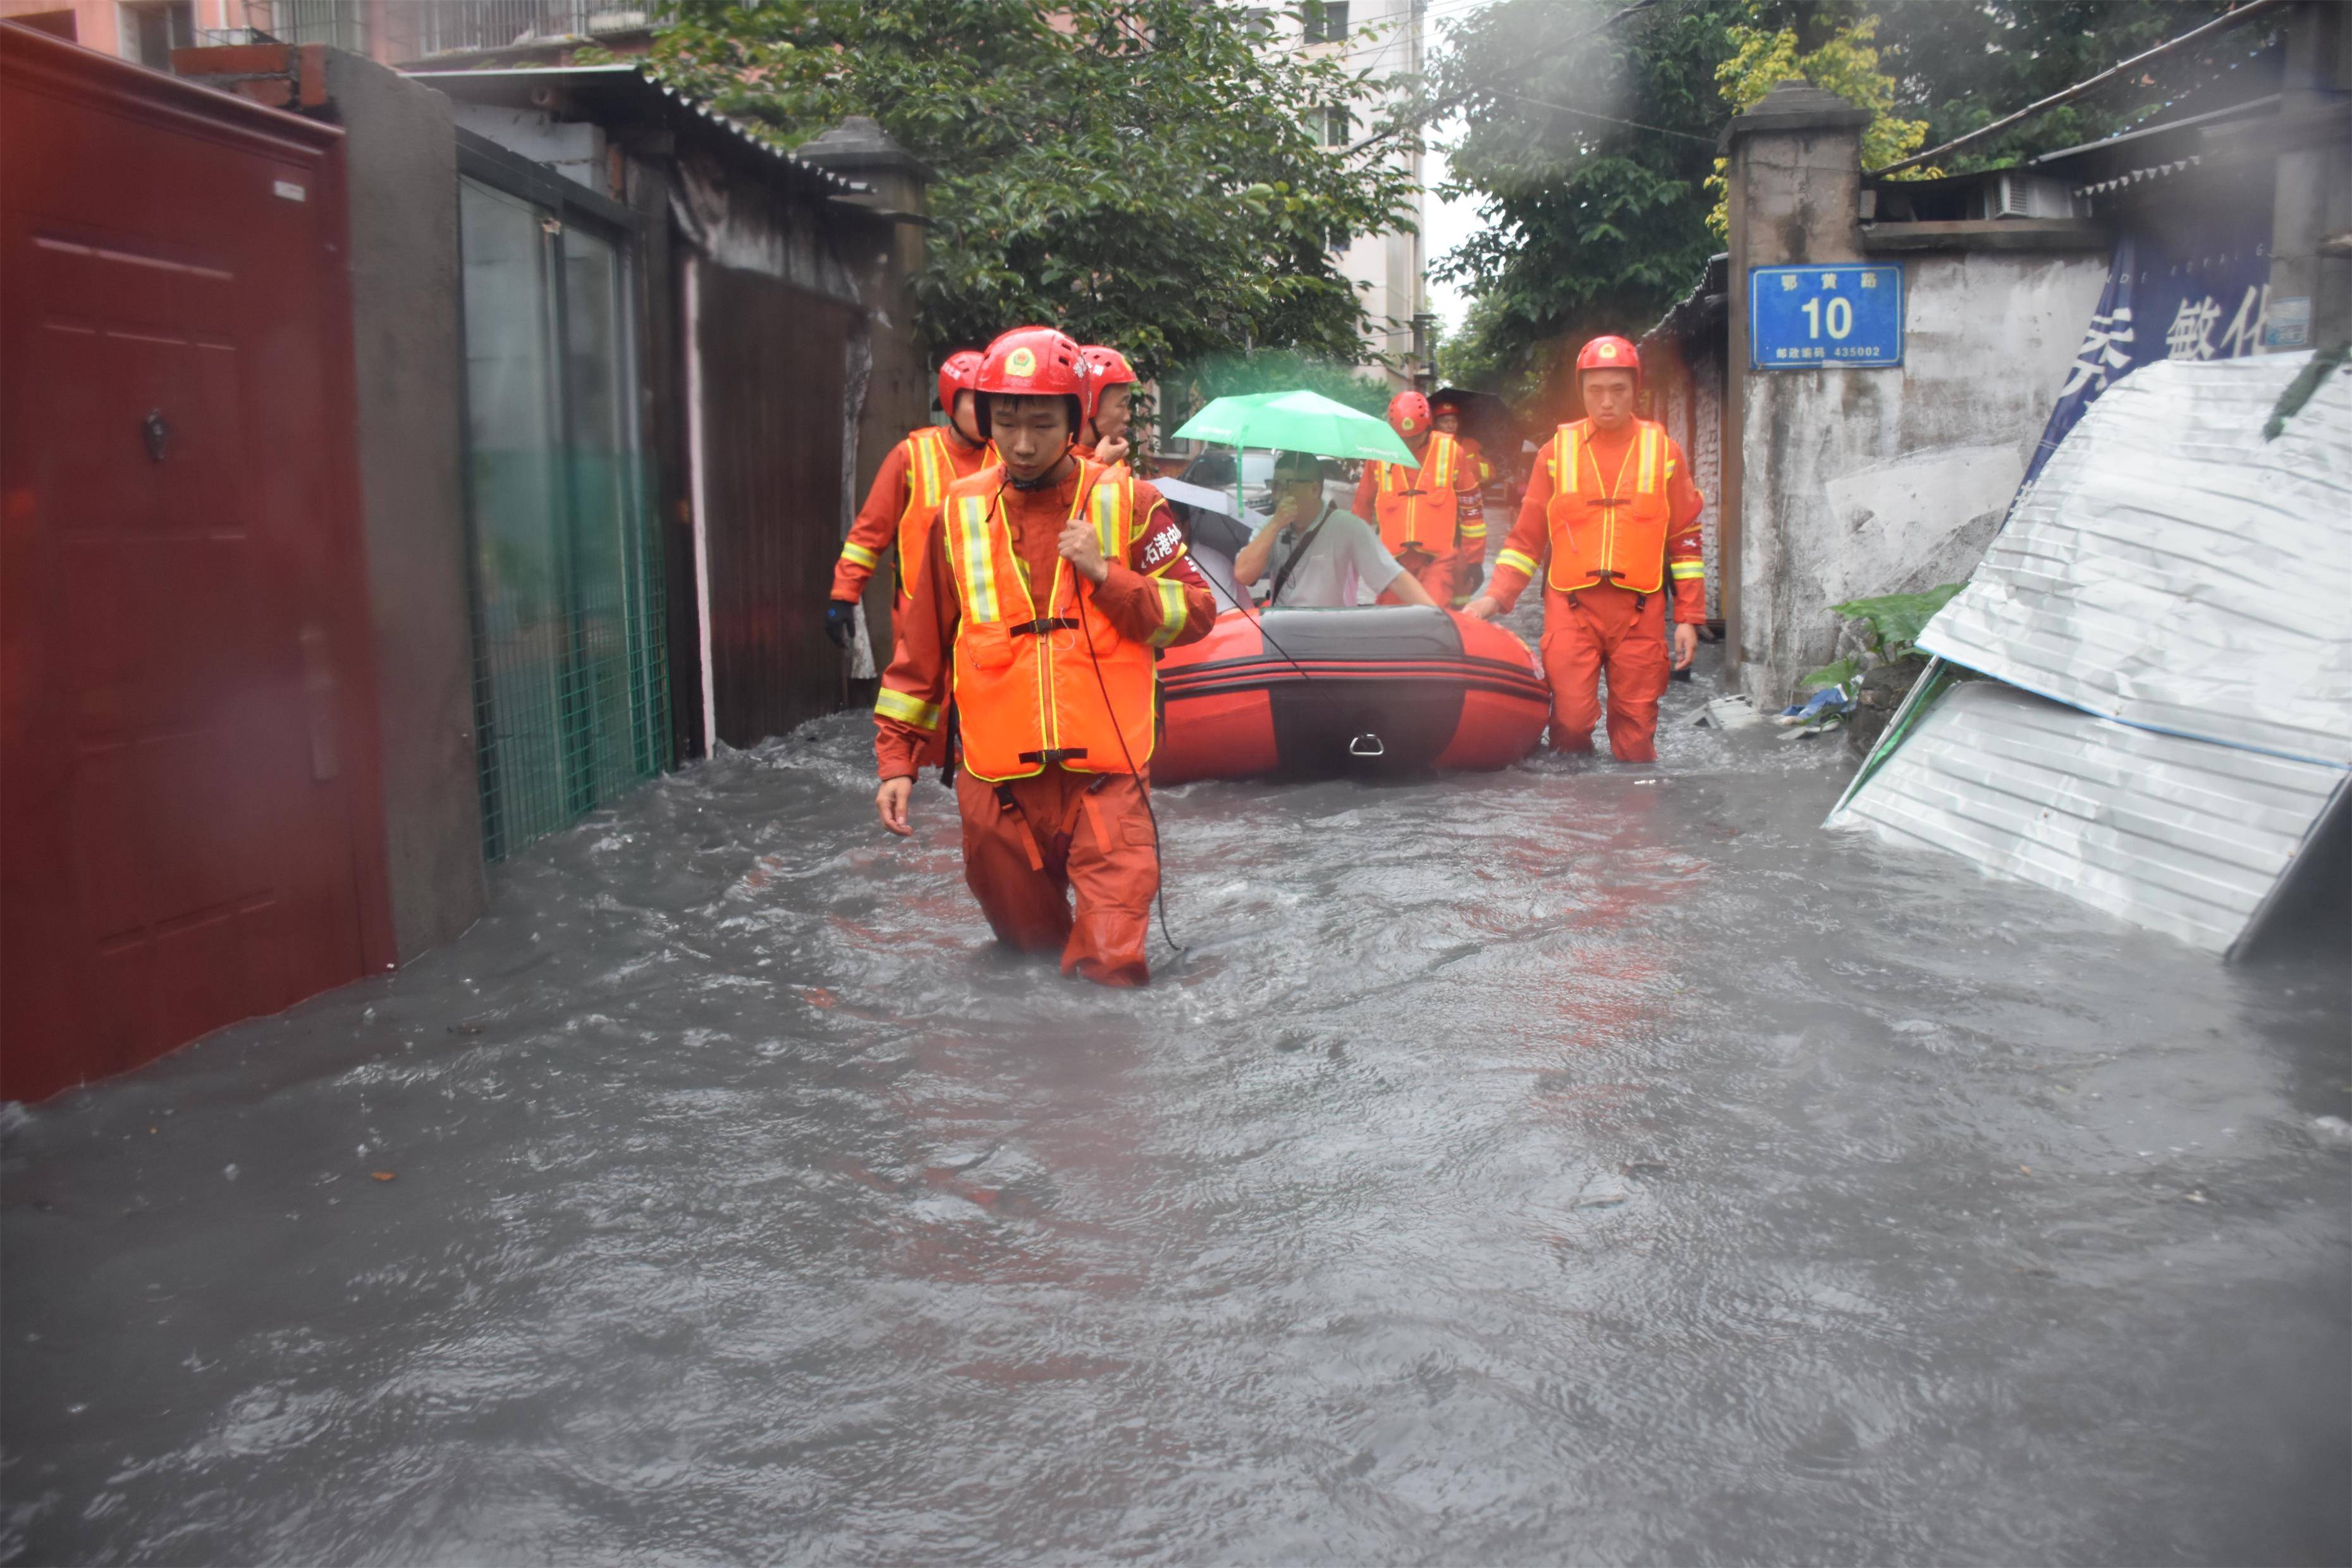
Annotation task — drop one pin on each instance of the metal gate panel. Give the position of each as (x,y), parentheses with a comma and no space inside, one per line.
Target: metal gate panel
(772,360)
(190,829)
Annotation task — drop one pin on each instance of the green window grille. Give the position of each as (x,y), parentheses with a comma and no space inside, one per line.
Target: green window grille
(570,685)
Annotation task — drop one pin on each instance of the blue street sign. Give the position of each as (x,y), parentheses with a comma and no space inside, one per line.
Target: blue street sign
(1807,318)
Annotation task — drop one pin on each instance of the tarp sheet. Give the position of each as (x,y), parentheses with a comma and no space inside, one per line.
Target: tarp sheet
(2171,569)
(2180,836)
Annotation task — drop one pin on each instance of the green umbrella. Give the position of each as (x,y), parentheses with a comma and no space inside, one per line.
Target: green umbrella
(1296,422)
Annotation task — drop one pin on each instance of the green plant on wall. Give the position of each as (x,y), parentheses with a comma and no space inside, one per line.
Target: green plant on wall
(1890,626)
(1847,64)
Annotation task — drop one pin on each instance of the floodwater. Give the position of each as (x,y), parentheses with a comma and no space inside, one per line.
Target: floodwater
(1581,1163)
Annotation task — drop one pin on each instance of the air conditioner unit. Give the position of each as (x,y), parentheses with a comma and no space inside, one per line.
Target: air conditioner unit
(2015,194)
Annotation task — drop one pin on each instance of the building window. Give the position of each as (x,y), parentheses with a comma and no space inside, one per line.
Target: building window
(1326,23)
(152,29)
(1339,126)
(338,23)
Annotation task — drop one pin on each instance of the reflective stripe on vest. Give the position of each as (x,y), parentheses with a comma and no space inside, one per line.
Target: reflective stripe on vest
(1416,506)
(1062,687)
(1608,528)
(929,474)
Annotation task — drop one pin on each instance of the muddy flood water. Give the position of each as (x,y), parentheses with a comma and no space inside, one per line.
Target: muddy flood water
(1576,1163)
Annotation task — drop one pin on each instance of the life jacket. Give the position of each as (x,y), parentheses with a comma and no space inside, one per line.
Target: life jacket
(1416,506)
(1061,686)
(930,470)
(1608,528)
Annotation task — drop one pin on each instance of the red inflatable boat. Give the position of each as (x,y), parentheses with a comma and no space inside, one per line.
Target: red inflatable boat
(1322,693)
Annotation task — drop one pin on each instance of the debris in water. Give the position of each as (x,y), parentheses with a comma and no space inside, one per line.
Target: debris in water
(1603,1192)
(385,1176)
(1735,713)
(465,1028)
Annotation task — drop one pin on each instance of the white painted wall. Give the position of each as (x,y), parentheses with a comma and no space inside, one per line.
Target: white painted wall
(1871,481)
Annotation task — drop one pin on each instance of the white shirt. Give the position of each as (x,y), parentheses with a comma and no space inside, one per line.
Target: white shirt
(1345,558)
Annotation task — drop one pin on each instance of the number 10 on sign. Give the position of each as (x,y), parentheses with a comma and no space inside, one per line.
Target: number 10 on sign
(1812,318)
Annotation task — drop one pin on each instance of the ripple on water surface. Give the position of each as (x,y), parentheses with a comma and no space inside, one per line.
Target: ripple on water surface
(1578,1162)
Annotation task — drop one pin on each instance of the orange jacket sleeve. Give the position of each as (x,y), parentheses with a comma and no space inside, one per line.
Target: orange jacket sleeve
(1157,596)
(873,536)
(1686,544)
(914,694)
(1522,557)
(1367,494)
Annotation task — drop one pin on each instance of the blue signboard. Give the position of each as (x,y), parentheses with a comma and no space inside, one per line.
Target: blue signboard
(1807,318)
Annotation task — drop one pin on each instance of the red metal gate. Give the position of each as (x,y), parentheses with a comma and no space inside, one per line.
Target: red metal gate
(190,819)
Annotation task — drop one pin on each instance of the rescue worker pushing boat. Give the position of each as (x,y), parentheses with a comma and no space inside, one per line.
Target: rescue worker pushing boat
(1430,515)
(910,486)
(1612,507)
(1046,588)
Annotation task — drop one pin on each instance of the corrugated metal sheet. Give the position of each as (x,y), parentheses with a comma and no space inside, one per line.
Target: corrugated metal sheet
(2171,569)
(2182,835)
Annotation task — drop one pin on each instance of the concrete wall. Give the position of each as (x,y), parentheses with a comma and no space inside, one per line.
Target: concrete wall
(402,154)
(1842,483)
(1860,482)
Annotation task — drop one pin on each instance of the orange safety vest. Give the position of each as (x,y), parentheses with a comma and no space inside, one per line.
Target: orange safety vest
(1602,529)
(929,472)
(1416,506)
(1064,687)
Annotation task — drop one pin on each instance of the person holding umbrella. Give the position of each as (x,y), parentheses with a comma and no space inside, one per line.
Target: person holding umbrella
(1317,555)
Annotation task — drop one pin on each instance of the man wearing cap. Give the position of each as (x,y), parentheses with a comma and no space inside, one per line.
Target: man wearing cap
(1047,588)
(1310,554)
(1611,510)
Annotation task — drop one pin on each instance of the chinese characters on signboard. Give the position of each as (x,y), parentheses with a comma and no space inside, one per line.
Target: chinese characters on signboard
(1823,317)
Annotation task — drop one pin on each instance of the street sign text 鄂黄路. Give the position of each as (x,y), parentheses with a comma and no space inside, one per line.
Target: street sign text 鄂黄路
(1809,318)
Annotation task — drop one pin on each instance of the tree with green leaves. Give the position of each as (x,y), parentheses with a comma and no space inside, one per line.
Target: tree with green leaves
(1588,150)
(1140,172)
(1592,163)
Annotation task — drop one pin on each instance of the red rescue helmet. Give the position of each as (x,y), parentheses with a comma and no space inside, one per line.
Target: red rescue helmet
(1409,413)
(1034,362)
(1609,354)
(1106,368)
(961,374)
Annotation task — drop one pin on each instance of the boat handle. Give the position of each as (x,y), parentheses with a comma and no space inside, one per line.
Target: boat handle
(1367,745)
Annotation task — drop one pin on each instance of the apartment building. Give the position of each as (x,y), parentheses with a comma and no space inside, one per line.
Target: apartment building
(1384,39)
(394,32)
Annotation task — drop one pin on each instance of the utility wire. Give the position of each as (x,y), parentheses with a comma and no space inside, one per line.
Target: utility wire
(1441,108)
(2221,23)
(1606,118)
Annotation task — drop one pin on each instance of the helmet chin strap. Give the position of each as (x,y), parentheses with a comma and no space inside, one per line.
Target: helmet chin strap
(1042,481)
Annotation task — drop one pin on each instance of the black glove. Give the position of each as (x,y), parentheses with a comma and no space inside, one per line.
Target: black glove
(841,622)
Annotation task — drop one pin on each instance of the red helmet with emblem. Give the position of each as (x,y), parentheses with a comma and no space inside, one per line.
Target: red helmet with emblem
(1409,413)
(961,374)
(1106,368)
(1034,362)
(1609,353)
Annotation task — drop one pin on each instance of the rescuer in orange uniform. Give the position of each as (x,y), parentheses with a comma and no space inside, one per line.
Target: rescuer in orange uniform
(1111,385)
(1430,517)
(1611,504)
(907,489)
(1446,415)
(1047,587)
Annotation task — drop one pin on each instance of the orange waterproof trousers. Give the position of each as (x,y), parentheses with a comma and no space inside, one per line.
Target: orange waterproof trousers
(1030,844)
(1434,573)
(1606,629)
